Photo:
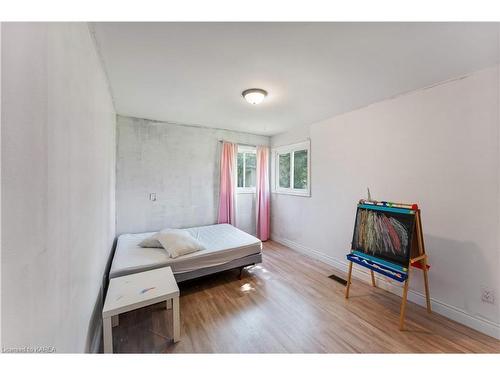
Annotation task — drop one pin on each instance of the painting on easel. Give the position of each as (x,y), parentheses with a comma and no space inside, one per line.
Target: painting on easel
(384,232)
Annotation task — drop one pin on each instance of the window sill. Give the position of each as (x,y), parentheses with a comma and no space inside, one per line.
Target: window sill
(245,190)
(293,192)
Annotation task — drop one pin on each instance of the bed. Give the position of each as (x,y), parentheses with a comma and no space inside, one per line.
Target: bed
(226,247)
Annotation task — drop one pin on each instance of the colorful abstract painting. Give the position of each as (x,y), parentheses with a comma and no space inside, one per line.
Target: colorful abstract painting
(384,234)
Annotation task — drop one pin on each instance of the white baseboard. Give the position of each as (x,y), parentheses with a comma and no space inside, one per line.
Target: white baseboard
(479,324)
(95,325)
(95,347)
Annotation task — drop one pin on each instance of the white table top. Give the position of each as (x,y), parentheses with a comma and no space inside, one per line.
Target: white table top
(141,289)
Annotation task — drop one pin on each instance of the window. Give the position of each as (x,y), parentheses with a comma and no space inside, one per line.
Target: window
(284,170)
(246,169)
(291,166)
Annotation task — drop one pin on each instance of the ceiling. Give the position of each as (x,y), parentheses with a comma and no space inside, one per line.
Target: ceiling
(194,73)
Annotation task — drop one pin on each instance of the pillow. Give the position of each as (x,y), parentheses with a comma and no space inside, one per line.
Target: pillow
(151,241)
(178,242)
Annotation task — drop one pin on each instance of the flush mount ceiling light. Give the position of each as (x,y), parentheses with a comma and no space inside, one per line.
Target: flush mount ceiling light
(254,96)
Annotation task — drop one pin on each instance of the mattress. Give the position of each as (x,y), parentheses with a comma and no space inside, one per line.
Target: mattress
(223,243)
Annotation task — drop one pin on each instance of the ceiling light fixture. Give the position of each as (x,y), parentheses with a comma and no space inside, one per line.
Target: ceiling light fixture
(254,96)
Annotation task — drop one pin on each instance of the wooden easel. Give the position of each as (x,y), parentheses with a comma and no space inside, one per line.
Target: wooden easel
(418,259)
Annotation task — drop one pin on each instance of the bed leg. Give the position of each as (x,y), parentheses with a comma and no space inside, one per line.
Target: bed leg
(240,276)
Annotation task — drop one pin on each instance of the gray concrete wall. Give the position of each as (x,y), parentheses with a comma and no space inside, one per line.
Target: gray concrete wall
(181,165)
(58,168)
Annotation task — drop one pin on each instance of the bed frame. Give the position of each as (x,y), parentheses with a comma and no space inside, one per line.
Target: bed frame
(240,263)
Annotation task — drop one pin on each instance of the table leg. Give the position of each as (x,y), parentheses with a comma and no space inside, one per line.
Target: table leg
(176,319)
(108,335)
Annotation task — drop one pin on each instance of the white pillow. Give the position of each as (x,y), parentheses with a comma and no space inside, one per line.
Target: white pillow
(178,242)
(151,241)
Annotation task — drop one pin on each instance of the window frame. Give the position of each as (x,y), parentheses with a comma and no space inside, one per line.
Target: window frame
(244,150)
(291,149)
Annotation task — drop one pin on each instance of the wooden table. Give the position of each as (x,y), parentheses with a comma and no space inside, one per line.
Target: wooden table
(138,290)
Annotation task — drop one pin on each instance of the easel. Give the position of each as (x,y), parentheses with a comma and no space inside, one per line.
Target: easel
(418,258)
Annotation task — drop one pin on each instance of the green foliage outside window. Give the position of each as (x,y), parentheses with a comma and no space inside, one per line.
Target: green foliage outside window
(240,169)
(284,170)
(250,169)
(246,169)
(300,169)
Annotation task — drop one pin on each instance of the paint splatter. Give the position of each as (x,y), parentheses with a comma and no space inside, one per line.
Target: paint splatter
(147,289)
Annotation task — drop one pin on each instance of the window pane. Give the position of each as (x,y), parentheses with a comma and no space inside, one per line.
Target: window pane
(240,169)
(250,163)
(284,170)
(300,169)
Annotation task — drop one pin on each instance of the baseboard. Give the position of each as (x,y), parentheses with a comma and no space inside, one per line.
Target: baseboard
(479,324)
(95,347)
(95,326)
(94,335)
(96,343)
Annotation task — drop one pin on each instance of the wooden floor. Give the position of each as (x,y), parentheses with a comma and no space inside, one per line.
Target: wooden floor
(288,304)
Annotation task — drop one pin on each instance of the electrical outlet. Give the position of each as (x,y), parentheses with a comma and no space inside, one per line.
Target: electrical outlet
(152,197)
(488,295)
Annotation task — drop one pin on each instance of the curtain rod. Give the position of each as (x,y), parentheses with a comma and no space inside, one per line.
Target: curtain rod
(242,144)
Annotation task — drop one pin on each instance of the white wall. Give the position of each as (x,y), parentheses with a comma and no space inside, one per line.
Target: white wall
(181,165)
(58,162)
(0,183)
(439,147)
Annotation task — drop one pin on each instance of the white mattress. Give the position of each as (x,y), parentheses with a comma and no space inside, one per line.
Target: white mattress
(223,243)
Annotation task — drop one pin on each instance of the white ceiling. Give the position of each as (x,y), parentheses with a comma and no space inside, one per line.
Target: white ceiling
(194,73)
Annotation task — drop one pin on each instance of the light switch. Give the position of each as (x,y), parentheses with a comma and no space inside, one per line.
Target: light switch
(152,197)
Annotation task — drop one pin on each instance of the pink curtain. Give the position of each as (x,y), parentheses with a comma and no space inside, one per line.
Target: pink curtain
(262,206)
(227,184)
